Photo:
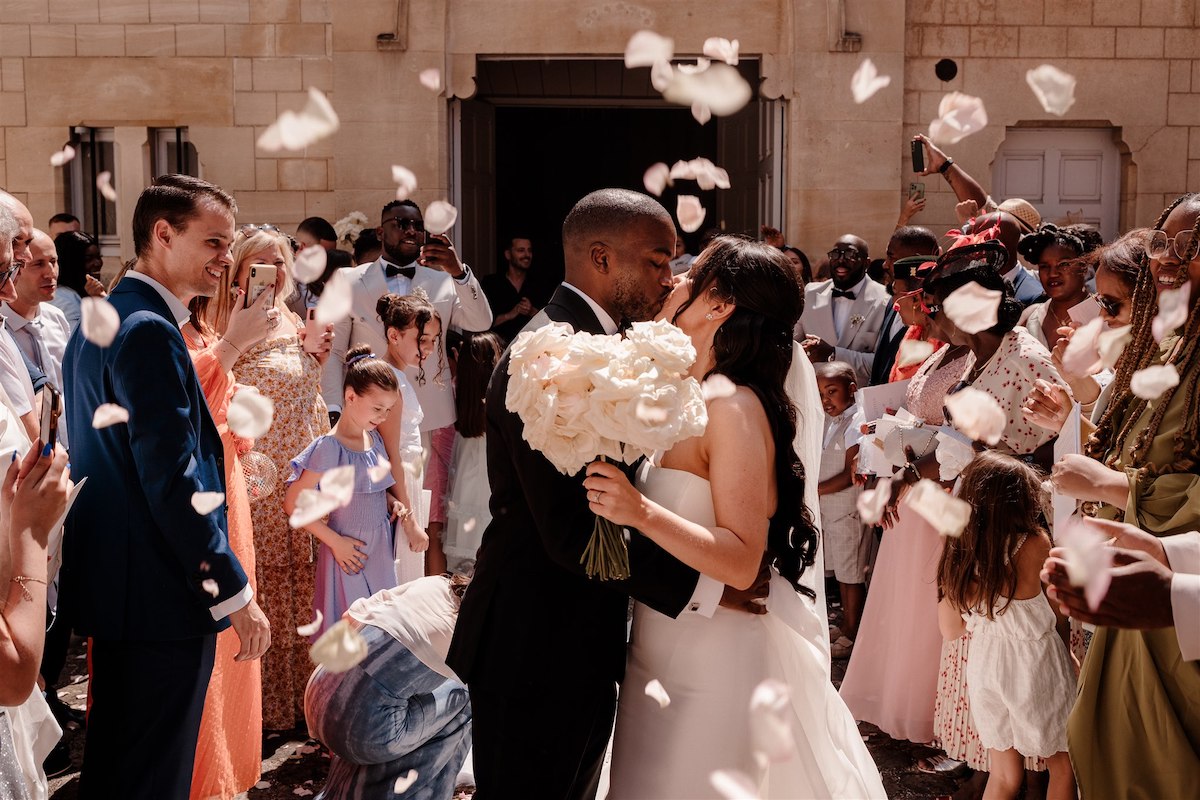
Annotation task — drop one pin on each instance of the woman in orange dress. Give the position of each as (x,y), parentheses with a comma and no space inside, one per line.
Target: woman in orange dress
(229,750)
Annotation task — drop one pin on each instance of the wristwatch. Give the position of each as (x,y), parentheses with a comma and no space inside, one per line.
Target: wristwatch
(946,165)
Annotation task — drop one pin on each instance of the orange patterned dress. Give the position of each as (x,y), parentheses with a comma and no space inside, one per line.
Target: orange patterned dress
(280,369)
(229,750)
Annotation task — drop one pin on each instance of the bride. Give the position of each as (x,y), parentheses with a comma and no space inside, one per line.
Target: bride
(724,503)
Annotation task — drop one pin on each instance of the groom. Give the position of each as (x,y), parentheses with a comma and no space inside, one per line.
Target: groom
(539,644)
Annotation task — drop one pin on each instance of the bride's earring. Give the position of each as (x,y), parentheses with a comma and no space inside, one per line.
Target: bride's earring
(708,316)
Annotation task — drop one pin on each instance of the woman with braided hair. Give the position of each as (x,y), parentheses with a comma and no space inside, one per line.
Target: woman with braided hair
(1136,723)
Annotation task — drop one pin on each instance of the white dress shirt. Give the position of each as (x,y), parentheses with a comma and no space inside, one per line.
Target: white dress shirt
(43,340)
(397,284)
(843,305)
(14,376)
(1183,554)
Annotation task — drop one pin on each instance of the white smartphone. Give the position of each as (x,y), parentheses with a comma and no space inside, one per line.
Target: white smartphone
(1084,312)
(312,332)
(262,279)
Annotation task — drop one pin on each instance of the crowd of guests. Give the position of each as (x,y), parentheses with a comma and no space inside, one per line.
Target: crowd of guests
(942,635)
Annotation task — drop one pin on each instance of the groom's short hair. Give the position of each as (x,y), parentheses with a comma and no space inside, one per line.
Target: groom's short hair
(177,199)
(605,212)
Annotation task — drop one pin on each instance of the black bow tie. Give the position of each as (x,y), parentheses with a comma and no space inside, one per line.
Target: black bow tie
(848,294)
(391,270)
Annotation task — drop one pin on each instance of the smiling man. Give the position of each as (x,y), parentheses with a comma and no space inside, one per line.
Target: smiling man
(146,577)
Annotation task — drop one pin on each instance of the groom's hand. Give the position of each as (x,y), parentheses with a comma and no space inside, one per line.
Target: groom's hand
(754,599)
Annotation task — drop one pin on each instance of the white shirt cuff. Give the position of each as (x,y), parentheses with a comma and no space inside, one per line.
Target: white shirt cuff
(1185,607)
(236,603)
(706,597)
(1183,552)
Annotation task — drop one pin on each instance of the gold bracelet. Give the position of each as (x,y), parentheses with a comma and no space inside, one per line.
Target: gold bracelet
(21,580)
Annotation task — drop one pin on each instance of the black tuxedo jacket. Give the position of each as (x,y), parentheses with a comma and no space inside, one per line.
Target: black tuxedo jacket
(886,350)
(530,610)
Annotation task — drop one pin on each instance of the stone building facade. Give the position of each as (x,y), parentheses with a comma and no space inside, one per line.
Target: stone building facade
(810,160)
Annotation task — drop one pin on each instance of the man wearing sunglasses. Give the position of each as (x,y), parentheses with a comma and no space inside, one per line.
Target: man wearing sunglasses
(843,316)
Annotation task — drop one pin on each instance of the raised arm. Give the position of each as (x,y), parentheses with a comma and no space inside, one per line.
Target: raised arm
(961,183)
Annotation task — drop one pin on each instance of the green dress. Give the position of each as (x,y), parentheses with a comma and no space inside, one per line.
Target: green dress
(1134,733)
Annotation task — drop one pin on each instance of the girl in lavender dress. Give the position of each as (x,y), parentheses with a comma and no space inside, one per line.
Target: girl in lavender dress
(355,556)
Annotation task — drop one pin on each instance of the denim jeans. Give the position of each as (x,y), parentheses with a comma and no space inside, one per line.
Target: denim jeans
(386,716)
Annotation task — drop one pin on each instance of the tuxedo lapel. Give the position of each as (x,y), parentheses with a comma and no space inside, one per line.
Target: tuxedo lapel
(567,306)
(820,321)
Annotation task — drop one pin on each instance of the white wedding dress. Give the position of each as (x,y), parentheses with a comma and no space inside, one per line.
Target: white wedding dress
(710,668)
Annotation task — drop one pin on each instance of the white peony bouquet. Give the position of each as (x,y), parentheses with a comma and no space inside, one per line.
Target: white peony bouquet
(350,226)
(583,396)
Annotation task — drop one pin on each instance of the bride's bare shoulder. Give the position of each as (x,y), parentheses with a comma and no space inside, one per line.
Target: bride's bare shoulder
(739,410)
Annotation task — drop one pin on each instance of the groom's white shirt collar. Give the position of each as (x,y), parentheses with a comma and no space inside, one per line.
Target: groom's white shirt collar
(606,321)
(178,309)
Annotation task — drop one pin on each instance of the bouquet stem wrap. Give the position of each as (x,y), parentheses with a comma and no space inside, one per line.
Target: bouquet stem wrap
(607,554)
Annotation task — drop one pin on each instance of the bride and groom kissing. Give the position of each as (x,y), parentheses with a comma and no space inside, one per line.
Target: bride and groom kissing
(721,538)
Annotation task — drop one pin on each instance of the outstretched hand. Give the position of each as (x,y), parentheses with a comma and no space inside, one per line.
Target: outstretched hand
(1138,598)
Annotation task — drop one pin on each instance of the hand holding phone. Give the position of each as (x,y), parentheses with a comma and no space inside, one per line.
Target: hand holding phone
(313,332)
(51,410)
(262,279)
(918,156)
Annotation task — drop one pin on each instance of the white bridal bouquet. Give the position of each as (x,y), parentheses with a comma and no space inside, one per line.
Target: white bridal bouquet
(584,396)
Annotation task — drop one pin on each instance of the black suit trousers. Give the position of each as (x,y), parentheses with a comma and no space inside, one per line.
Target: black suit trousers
(147,698)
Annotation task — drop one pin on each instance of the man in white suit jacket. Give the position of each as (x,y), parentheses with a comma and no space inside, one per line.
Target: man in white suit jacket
(843,316)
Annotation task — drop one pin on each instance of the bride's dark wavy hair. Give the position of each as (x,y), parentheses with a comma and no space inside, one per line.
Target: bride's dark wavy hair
(753,348)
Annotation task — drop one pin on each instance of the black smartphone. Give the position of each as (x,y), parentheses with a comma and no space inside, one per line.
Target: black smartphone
(51,409)
(918,155)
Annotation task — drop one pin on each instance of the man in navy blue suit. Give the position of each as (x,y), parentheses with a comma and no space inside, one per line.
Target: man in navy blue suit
(150,580)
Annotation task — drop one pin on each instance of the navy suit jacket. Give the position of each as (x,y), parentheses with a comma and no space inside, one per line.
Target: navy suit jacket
(135,552)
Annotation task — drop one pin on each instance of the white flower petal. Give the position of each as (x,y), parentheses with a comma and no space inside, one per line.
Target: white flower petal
(104,186)
(431,79)
(440,217)
(339,648)
(338,483)
(263,785)
(689,212)
(1173,308)
(647,48)
(733,784)
(694,69)
(973,308)
(661,75)
(405,180)
(300,791)
(701,113)
(296,131)
(721,88)
(656,692)
(770,724)
(682,171)
(977,414)
(470,525)
(1151,382)
(1082,355)
(867,81)
(953,455)
(1087,559)
(1111,343)
(109,414)
(913,351)
(656,178)
(310,264)
(312,505)
(62,156)
(380,471)
(1054,89)
(720,49)
(959,115)
(404,781)
(336,300)
(207,502)
(648,412)
(312,627)
(99,321)
(250,413)
(946,513)
(210,586)
(872,502)
(717,386)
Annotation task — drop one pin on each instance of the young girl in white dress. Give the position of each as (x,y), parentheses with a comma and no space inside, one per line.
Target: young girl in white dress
(729,503)
(1019,677)
(413,328)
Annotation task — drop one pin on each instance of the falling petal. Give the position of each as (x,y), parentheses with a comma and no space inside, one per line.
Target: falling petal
(310,264)
(650,413)
(689,212)
(1087,560)
(872,502)
(311,505)
(717,386)
(250,413)
(867,81)
(263,785)
(733,784)
(312,627)
(336,300)
(721,50)
(404,781)
(973,308)
(338,483)
(977,414)
(380,471)
(913,351)
(339,648)
(210,586)
(1173,308)
(300,791)
(694,69)
(431,79)
(104,186)
(405,180)
(470,525)
(682,171)
(62,156)
(99,321)
(708,175)
(959,115)
(109,414)
(647,48)
(720,88)
(207,502)
(1111,343)
(953,455)
(770,726)
(1151,382)
(661,75)
(296,131)
(1082,355)
(701,113)
(656,178)
(440,217)
(946,513)
(656,692)
(1054,89)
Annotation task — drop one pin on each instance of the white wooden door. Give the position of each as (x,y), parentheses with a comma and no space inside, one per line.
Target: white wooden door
(473,181)
(1071,175)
